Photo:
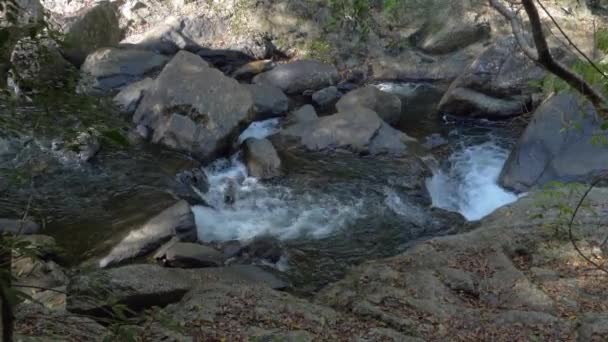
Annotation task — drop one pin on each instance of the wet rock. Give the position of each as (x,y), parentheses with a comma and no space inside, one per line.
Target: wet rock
(251,69)
(230,248)
(263,247)
(326,97)
(191,185)
(186,110)
(359,130)
(498,84)
(17,226)
(109,69)
(38,64)
(176,220)
(455,33)
(143,286)
(299,76)
(547,151)
(129,97)
(306,113)
(386,105)
(89,30)
(433,141)
(188,255)
(261,159)
(85,145)
(268,101)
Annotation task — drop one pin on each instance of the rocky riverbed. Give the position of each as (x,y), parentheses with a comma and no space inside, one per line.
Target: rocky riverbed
(298,171)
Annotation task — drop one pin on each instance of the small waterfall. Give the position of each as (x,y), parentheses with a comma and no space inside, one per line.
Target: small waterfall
(262,208)
(469,182)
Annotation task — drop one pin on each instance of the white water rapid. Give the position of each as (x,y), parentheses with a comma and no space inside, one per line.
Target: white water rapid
(265,208)
(469,183)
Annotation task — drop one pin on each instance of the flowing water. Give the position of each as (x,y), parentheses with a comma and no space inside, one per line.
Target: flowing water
(468,183)
(331,211)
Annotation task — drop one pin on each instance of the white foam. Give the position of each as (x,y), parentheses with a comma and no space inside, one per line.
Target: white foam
(470,184)
(265,209)
(260,129)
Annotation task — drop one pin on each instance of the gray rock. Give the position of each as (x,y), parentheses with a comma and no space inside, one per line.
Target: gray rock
(498,84)
(550,151)
(143,286)
(191,33)
(261,159)
(386,105)
(433,141)
(85,145)
(268,101)
(463,101)
(46,246)
(251,69)
(263,247)
(136,286)
(326,97)
(129,97)
(175,220)
(358,129)
(38,64)
(30,12)
(306,113)
(110,69)
(17,226)
(458,32)
(299,76)
(188,255)
(187,108)
(191,184)
(44,324)
(89,30)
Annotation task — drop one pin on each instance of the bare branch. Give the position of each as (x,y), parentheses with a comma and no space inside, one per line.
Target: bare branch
(543,55)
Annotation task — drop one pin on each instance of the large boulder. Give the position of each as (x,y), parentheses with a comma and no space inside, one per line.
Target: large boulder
(558,145)
(176,220)
(110,69)
(268,101)
(142,286)
(357,129)
(90,29)
(299,76)
(261,159)
(188,107)
(386,105)
(38,64)
(136,286)
(449,35)
(499,84)
(27,12)
(129,97)
(188,255)
(507,274)
(326,97)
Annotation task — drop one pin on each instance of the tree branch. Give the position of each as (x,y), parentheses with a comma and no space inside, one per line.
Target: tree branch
(543,55)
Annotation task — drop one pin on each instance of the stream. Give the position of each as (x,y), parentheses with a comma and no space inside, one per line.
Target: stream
(330,212)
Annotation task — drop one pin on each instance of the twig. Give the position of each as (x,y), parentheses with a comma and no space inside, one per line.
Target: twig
(571,224)
(589,60)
